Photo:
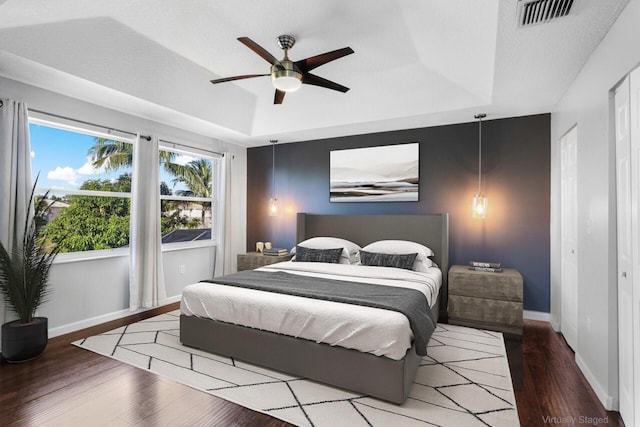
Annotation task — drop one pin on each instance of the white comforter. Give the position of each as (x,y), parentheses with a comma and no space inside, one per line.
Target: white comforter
(367,329)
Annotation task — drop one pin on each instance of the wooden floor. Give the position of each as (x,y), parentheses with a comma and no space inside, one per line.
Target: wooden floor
(69,386)
(554,391)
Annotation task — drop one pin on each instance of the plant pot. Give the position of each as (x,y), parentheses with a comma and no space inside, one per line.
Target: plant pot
(24,341)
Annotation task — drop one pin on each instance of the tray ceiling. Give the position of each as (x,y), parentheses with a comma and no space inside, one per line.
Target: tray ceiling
(416,63)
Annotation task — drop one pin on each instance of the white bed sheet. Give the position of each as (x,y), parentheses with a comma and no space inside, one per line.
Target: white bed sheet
(367,329)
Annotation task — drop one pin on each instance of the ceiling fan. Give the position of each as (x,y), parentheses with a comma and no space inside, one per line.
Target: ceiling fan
(286,75)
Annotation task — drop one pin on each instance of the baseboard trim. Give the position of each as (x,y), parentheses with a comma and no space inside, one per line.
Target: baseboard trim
(536,315)
(609,402)
(93,321)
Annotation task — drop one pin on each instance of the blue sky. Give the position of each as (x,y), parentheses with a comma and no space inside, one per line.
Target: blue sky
(61,158)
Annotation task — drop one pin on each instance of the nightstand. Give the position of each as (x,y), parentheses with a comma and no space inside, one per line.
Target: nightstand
(486,300)
(252,260)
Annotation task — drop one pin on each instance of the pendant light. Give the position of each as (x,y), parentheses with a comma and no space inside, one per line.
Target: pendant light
(273,202)
(480,200)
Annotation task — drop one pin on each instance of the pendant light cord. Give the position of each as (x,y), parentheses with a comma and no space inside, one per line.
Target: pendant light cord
(273,167)
(480,117)
(480,155)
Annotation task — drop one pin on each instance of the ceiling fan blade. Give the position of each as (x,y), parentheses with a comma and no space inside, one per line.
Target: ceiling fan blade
(259,50)
(318,60)
(312,79)
(279,96)
(230,79)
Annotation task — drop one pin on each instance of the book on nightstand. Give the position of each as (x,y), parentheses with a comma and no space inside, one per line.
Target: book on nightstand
(491,267)
(275,252)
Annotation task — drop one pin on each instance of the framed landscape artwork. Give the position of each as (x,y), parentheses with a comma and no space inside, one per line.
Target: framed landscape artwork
(387,173)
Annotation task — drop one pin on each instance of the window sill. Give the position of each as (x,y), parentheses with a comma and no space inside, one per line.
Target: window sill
(71,257)
(179,246)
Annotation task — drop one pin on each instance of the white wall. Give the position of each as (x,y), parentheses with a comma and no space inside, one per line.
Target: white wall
(587,104)
(89,292)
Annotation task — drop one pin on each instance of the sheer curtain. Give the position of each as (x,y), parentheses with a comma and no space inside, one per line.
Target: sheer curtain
(15,175)
(223,249)
(146,276)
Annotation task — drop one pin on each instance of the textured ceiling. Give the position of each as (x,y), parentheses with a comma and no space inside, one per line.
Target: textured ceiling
(416,63)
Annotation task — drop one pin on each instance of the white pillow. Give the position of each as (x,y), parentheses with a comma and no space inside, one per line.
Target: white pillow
(422,262)
(350,250)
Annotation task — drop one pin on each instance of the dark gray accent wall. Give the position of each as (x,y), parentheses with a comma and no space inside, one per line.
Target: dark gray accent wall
(515,175)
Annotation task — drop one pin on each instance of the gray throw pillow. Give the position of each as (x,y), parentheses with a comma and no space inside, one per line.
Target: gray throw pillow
(317,255)
(388,260)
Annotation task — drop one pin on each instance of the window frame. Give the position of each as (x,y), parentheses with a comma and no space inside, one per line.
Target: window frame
(42,119)
(67,124)
(215,159)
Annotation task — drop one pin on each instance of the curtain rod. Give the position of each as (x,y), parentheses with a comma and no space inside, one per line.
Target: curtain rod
(147,137)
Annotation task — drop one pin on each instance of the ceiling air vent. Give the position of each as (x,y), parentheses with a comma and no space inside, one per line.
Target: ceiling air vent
(531,12)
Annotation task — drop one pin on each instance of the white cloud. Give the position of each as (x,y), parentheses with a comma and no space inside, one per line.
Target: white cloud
(72,176)
(33,154)
(89,169)
(63,174)
(183,159)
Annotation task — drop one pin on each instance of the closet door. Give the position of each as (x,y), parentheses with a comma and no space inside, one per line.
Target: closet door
(569,233)
(624,168)
(634,124)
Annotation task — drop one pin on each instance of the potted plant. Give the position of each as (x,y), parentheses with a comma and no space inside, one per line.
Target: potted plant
(24,284)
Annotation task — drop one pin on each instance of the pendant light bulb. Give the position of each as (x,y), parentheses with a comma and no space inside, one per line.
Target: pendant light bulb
(273,207)
(479,206)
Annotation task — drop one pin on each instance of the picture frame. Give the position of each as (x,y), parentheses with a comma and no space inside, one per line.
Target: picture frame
(387,173)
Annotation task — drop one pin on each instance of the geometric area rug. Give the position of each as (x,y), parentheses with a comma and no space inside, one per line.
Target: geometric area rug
(464,380)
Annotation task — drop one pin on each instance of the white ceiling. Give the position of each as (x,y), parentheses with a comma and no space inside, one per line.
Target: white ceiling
(417,63)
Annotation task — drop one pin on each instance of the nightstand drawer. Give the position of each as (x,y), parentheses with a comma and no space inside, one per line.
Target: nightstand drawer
(506,285)
(490,312)
(486,300)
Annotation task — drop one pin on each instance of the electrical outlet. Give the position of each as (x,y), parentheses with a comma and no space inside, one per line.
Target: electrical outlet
(182,269)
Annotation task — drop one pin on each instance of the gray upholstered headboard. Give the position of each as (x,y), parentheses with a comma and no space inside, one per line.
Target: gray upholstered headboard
(429,230)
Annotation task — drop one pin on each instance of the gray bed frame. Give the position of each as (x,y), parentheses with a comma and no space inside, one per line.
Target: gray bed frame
(376,376)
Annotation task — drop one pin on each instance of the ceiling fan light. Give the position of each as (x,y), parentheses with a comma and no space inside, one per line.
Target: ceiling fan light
(286,80)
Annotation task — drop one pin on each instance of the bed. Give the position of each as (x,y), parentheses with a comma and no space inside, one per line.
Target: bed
(381,376)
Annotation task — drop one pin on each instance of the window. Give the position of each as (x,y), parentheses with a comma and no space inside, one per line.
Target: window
(187,183)
(85,171)
(88,177)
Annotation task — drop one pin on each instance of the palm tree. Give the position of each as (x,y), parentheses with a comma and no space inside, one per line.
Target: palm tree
(197,176)
(113,155)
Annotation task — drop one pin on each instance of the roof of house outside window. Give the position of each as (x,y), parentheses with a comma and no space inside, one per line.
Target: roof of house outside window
(187,235)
